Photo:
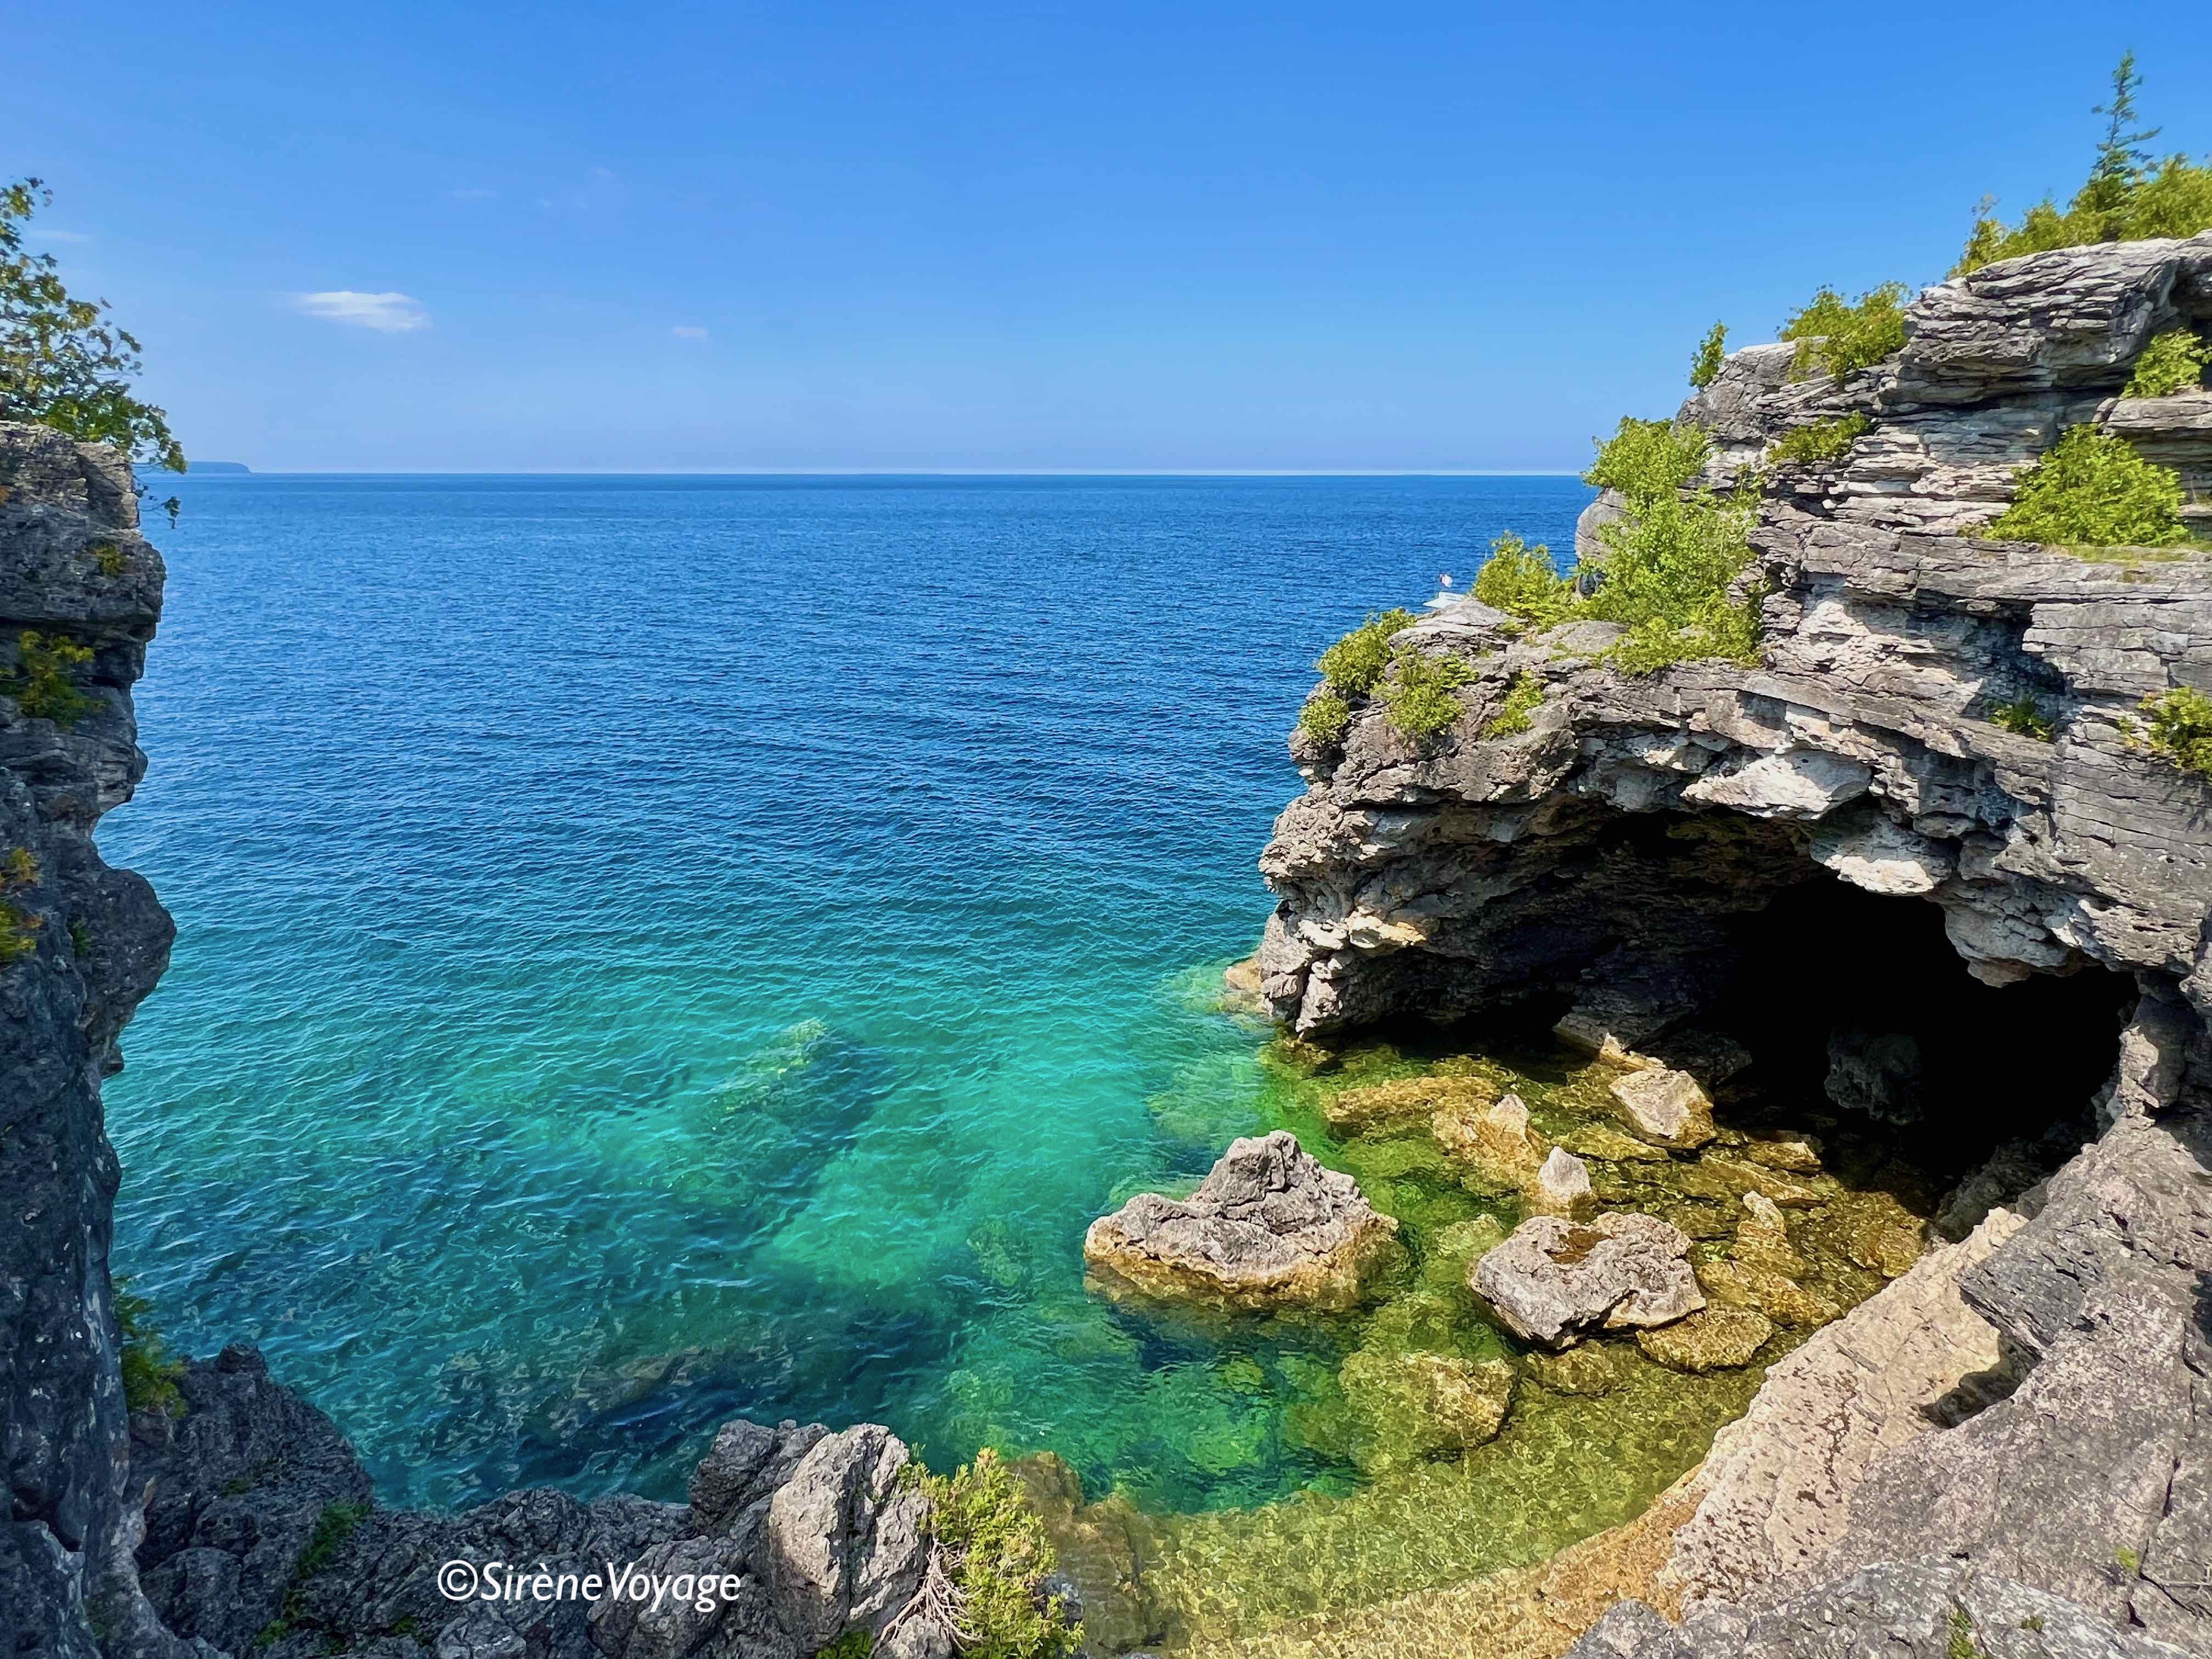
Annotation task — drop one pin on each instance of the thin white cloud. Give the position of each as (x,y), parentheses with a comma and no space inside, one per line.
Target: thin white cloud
(42,234)
(387,313)
(473,194)
(688,331)
(603,172)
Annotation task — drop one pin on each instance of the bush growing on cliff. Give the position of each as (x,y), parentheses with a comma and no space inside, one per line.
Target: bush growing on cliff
(1520,580)
(1820,443)
(2091,490)
(2180,729)
(1522,700)
(63,364)
(150,1376)
(2174,362)
(994,1556)
(1327,716)
(2024,717)
(1355,662)
(44,686)
(1712,352)
(1645,460)
(1670,563)
(1421,697)
(18,928)
(1839,338)
(2127,197)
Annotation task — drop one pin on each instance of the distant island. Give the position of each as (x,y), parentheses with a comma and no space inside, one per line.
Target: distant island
(218,466)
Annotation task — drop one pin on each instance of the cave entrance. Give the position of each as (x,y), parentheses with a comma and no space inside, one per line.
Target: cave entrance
(1861,999)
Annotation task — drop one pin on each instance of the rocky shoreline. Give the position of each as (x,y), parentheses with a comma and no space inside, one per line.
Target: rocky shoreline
(2027,1409)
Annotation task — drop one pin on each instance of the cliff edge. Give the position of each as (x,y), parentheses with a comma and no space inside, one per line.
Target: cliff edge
(80,944)
(1653,855)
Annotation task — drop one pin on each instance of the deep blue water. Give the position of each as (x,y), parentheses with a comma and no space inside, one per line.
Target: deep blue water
(656,948)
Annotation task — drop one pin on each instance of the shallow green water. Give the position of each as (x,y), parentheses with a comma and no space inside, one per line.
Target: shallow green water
(652,950)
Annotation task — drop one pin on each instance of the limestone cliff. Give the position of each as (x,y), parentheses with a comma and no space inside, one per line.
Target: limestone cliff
(1654,852)
(80,945)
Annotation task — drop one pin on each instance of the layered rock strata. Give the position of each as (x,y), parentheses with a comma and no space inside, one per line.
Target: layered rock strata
(2017,1429)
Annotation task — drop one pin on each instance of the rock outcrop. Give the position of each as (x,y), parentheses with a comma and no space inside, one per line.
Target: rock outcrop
(263,1537)
(1552,1280)
(1268,1228)
(2008,1447)
(80,946)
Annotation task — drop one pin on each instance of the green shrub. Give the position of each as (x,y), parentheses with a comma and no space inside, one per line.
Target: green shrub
(1644,460)
(19,869)
(1667,573)
(150,1376)
(2180,729)
(2127,197)
(43,687)
(1839,339)
(2091,490)
(1355,662)
(1421,698)
(2025,716)
(2174,362)
(997,1557)
(1520,580)
(112,560)
(1712,351)
(1327,717)
(1526,696)
(19,934)
(1820,443)
(852,1644)
(1669,563)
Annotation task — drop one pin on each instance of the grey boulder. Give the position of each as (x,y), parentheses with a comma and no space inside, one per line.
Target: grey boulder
(847,1538)
(1553,1278)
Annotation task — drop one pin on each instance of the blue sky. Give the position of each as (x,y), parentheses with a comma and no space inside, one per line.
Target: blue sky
(1186,236)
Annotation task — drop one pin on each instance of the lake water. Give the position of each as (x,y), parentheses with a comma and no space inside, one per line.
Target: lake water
(657,949)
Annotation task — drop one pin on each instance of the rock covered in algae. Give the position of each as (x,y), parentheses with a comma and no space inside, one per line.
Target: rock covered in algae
(1269,1227)
(1494,1137)
(1718,1338)
(1419,1404)
(1554,1278)
(1666,1108)
(1350,1111)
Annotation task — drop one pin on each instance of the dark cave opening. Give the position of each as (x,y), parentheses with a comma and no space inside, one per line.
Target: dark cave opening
(1860,1000)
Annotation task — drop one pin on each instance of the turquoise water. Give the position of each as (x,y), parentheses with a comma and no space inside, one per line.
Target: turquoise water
(655,949)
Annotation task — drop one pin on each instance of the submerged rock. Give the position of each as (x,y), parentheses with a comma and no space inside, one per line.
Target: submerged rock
(1498,1140)
(1553,1278)
(1404,1100)
(1588,1368)
(1666,1108)
(1269,1227)
(1717,1338)
(1420,1404)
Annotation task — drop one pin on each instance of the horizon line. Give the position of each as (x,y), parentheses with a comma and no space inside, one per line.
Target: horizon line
(899,472)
